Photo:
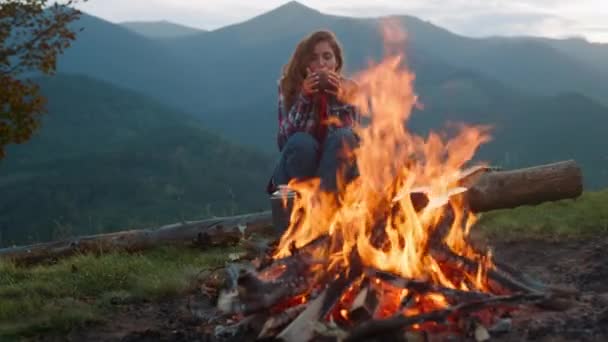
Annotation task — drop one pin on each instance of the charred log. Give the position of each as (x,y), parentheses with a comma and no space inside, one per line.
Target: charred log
(424,287)
(499,281)
(249,293)
(301,328)
(275,323)
(374,328)
(364,305)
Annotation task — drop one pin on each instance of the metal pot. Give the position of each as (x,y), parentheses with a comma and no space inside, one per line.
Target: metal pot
(281,202)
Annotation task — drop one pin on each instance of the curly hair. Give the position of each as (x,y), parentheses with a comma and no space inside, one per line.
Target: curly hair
(294,72)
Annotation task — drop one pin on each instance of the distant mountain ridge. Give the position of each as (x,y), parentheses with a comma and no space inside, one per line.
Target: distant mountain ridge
(160,29)
(593,54)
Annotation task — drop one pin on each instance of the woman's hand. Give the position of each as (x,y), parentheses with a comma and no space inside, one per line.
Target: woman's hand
(336,82)
(310,85)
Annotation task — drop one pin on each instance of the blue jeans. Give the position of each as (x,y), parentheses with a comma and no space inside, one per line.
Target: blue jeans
(303,157)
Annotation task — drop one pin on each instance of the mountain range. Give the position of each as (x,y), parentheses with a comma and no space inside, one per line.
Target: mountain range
(108,158)
(150,107)
(231,72)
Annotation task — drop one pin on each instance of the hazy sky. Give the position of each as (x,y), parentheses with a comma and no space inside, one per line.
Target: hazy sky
(552,18)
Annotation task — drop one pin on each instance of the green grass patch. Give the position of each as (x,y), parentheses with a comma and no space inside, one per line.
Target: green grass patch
(81,289)
(583,217)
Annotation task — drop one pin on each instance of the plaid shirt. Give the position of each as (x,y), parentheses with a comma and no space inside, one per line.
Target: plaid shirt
(303,116)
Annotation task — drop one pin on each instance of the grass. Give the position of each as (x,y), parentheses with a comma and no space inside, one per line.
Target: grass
(584,217)
(79,290)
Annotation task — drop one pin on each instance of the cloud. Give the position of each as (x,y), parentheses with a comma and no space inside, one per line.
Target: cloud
(552,18)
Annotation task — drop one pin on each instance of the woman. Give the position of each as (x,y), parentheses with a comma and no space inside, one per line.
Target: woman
(315,123)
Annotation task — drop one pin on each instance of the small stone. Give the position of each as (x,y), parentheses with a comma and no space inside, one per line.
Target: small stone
(481,334)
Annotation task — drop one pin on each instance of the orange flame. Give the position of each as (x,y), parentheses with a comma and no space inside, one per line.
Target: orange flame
(392,163)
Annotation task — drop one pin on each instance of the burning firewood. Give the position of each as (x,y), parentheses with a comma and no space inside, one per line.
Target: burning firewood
(301,329)
(295,277)
(500,280)
(374,328)
(249,293)
(423,287)
(279,321)
(364,305)
(503,276)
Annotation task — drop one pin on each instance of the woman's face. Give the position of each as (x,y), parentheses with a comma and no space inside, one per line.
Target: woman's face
(323,57)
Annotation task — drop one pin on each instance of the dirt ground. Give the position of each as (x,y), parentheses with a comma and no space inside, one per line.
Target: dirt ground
(579,264)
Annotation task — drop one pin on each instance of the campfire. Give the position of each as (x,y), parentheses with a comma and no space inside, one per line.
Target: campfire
(390,254)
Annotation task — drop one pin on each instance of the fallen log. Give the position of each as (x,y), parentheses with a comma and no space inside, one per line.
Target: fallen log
(215,231)
(529,186)
(488,190)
